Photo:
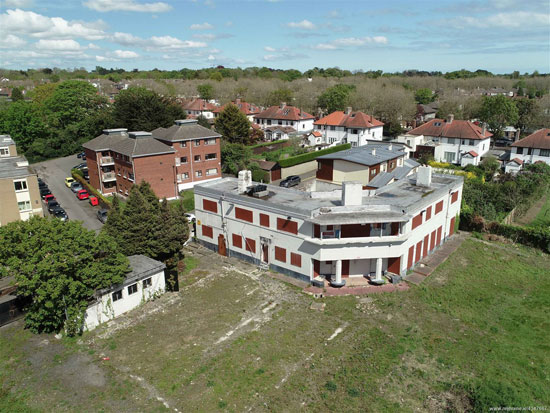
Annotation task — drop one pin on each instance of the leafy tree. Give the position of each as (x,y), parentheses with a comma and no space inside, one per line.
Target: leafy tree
(203,121)
(490,165)
(137,108)
(233,125)
(528,112)
(17,94)
(235,157)
(217,76)
(58,266)
(498,111)
(335,97)
(23,121)
(43,92)
(206,91)
(424,96)
(280,95)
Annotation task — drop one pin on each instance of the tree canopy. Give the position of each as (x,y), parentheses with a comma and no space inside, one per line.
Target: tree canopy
(58,266)
(498,111)
(140,109)
(280,95)
(424,96)
(335,98)
(233,125)
(235,157)
(206,91)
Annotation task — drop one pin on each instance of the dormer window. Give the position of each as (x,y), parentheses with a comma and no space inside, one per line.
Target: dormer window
(4,151)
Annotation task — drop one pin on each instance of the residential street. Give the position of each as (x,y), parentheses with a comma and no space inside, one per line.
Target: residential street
(54,173)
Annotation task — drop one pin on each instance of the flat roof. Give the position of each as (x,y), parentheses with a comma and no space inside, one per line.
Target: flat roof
(395,201)
(10,169)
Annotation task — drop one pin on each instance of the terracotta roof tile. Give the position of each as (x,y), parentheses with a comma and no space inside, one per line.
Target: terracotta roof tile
(540,140)
(245,107)
(352,120)
(455,129)
(284,113)
(198,104)
(517,160)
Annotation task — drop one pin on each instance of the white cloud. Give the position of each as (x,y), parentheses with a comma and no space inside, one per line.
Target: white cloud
(101,58)
(127,5)
(93,46)
(211,36)
(283,56)
(36,25)
(269,49)
(61,45)
(10,41)
(17,4)
(125,54)
(351,42)
(517,19)
(155,43)
(304,25)
(211,57)
(201,26)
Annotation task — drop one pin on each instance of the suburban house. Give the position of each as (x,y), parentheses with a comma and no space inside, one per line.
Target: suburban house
(276,133)
(426,112)
(19,194)
(314,139)
(285,115)
(361,164)
(349,127)
(197,107)
(533,148)
(144,282)
(455,138)
(198,153)
(332,235)
(513,166)
(248,109)
(169,159)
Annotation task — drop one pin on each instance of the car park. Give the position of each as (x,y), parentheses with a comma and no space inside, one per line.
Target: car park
(102,215)
(76,186)
(52,205)
(60,214)
(82,194)
(48,198)
(68,181)
(292,180)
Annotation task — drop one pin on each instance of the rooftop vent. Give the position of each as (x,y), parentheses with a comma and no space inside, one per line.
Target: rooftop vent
(180,122)
(352,193)
(245,180)
(258,191)
(118,131)
(424,176)
(373,151)
(139,135)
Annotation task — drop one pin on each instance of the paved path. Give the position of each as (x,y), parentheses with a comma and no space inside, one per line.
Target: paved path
(54,173)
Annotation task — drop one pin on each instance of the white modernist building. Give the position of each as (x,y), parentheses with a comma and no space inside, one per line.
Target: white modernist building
(533,148)
(331,235)
(144,282)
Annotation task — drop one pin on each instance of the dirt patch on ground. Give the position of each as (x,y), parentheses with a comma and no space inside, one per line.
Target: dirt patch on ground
(531,213)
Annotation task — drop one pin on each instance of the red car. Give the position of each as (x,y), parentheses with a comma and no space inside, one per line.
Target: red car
(94,201)
(48,198)
(82,194)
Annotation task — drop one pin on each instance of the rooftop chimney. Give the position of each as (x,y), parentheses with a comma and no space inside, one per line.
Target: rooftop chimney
(483,129)
(181,122)
(237,101)
(424,176)
(118,131)
(373,151)
(348,110)
(352,193)
(450,118)
(245,180)
(390,147)
(518,133)
(139,135)
(282,105)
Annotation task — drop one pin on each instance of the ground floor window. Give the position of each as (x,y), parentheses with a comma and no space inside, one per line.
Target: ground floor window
(147,282)
(24,205)
(450,157)
(211,171)
(132,289)
(117,295)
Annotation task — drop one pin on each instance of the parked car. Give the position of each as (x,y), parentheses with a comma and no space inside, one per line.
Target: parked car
(48,198)
(81,154)
(190,217)
(81,166)
(60,214)
(102,215)
(82,194)
(85,175)
(292,180)
(76,186)
(53,204)
(42,186)
(68,181)
(93,200)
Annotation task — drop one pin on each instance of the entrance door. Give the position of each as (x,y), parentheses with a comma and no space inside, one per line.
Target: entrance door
(265,253)
(221,245)
(452,227)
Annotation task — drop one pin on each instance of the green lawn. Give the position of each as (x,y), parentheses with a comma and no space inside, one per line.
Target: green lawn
(543,216)
(474,335)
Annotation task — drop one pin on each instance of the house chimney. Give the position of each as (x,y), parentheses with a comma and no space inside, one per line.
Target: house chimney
(352,193)
(390,147)
(348,110)
(282,105)
(450,118)
(518,133)
(424,176)
(180,122)
(483,129)
(139,134)
(373,151)
(118,131)
(244,181)
(237,101)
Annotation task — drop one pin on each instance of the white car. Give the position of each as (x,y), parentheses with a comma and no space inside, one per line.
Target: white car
(190,217)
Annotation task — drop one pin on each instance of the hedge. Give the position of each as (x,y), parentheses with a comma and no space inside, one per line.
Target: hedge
(89,187)
(259,145)
(310,156)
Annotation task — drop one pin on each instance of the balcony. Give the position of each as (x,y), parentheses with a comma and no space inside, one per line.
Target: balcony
(108,176)
(107,160)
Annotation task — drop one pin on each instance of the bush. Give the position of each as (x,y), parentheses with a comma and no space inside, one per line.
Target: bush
(310,156)
(259,145)
(188,197)
(258,174)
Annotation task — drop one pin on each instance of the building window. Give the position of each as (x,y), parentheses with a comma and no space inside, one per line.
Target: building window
(454,197)
(117,295)
(417,220)
(472,143)
(287,225)
(244,214)
(237,240)
(373,172)
(439,207)
(211,141)
(24,205)
(4,151)
(20,185)
(185,175)
(530,151)
(210,156)
(197,158)
(280,254)
(184,144)
(519,151)
(147,282)
(544,152)
(211,171)
(295,259)
(450,157)
(198,174)
(197,142)
(132,289)
(131,176)
(209,205)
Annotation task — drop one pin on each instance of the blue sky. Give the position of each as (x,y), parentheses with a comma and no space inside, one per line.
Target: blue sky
(496,35)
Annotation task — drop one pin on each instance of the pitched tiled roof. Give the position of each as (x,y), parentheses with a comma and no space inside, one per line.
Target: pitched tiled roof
(316,133)
(517,160)
(352,120)
(198,104)
(540,140)
(473,154)
(285,129)
(245,107)
(455,129)
(184,131)
(132,147)
(284,113)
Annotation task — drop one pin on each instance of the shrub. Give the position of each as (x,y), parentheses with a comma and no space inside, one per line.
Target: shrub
(310,156)
(259,145)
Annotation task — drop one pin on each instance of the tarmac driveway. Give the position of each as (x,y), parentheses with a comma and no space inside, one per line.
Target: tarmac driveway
(54,173)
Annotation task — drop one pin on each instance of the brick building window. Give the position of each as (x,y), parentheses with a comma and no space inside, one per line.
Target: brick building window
(207,231)
(264,220)
(287,225)
(244,214)
(439,207)
(211,171)
(197,158)
(185,175)
(183,159)
(198,174)
(184,144)
(280,254)
(250,245)
(197,142)
(295,259)
(211,141)
(237,240)
(210,156)
(209,205)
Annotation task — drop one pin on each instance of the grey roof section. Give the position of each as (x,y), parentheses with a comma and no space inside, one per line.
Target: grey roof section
(6,140)
(397,200)
(132,147)
(411,163)
(184,131)
(363,154)
(104,142)
(10,169)
(380,180)
(401,172)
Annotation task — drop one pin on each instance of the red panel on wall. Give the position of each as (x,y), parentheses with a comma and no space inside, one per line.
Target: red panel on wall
(417,220)
(207,231)
(244,214)
(426,244)
(280,254)
(316,231)
(394,265)
(345,268)
(452,226)
(208,205)
(264,220)
(439,207)
(454,197)
(237,240)
(418,251)
(432,242)
(250,245)
(395,228)
(428,212)
(287,225)
(295,259)
(439,230)
(410,261)
(316,268)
